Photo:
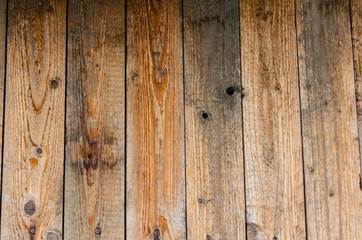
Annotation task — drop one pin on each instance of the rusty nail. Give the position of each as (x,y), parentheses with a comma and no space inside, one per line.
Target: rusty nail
(30,208)
(97,230)
(54,83)
(32,230)
(39,151)
(52,236)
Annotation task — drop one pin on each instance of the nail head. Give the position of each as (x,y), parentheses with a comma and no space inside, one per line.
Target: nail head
(54,83)
(39,151)
(32,230)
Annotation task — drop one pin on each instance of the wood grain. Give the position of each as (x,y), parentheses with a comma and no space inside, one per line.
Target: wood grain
(271,115)
(3,11)
(155,121)
(356,10)
(34,120)
(95,133)
(329,124)
(214,150)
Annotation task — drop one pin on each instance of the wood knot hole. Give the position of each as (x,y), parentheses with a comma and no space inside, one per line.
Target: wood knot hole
(204,115)
(52,236)
(230,91)
(54,84)
(30,208)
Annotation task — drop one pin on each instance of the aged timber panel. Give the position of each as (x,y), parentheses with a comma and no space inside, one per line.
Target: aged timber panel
(356,8)
(155,121)
(214,154)
(3,8)
(271,113)
(329,125)
(32,196)
(95,134)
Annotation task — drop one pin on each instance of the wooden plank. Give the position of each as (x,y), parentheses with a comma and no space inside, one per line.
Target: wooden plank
(95,139)
(3,11)
(214,150)
(356,10)
(330,136)
(271,115)
(155,121)
(32,196)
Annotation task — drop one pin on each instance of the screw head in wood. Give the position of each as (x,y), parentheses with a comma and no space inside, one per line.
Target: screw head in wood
(40,3)
(32,230)
(208,237)
(52,236)
(156,234)
(30,208)
(54,83)
(97,230)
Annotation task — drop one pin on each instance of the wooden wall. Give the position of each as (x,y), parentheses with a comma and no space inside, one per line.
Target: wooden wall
(181,119)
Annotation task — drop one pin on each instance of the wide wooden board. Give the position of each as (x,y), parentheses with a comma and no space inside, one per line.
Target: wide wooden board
(32,195)
(271,116)
(214,144)
(95,133)
(329,124)
(155,121)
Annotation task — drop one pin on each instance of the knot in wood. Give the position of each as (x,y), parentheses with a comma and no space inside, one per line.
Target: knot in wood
(52,236)
(30,208)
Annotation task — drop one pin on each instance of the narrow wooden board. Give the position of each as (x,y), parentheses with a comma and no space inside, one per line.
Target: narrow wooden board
(356,9)
(3,11)
(32,196)
(329,124)
(214,146)
(155,121)
(271,116)
(95,133)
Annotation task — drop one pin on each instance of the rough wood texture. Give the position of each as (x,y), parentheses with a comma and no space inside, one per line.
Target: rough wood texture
(356,9)
(271,113)
(3,7)
(214,155)
(155,121)
(32,196)
(329,126)
(95,145)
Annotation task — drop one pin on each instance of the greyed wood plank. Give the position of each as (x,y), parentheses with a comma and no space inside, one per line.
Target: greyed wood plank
(271,113)
(214,148)
(95,145)
(155,121)
(32,196)
(356,9)
(329,123)
(3,10)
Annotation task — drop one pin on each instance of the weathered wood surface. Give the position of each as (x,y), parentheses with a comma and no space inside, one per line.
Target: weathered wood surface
(356,13)
(214,146)
(329,126)
(155,121)
(32,195)
(271,115)
(95,133)
(3,12)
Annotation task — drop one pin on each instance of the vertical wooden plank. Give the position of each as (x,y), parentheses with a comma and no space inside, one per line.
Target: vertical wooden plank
(214,154)
(155,121)
(356,10)
(271,113)
(330,136)
(3,11)
(32,196)
(95,146)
